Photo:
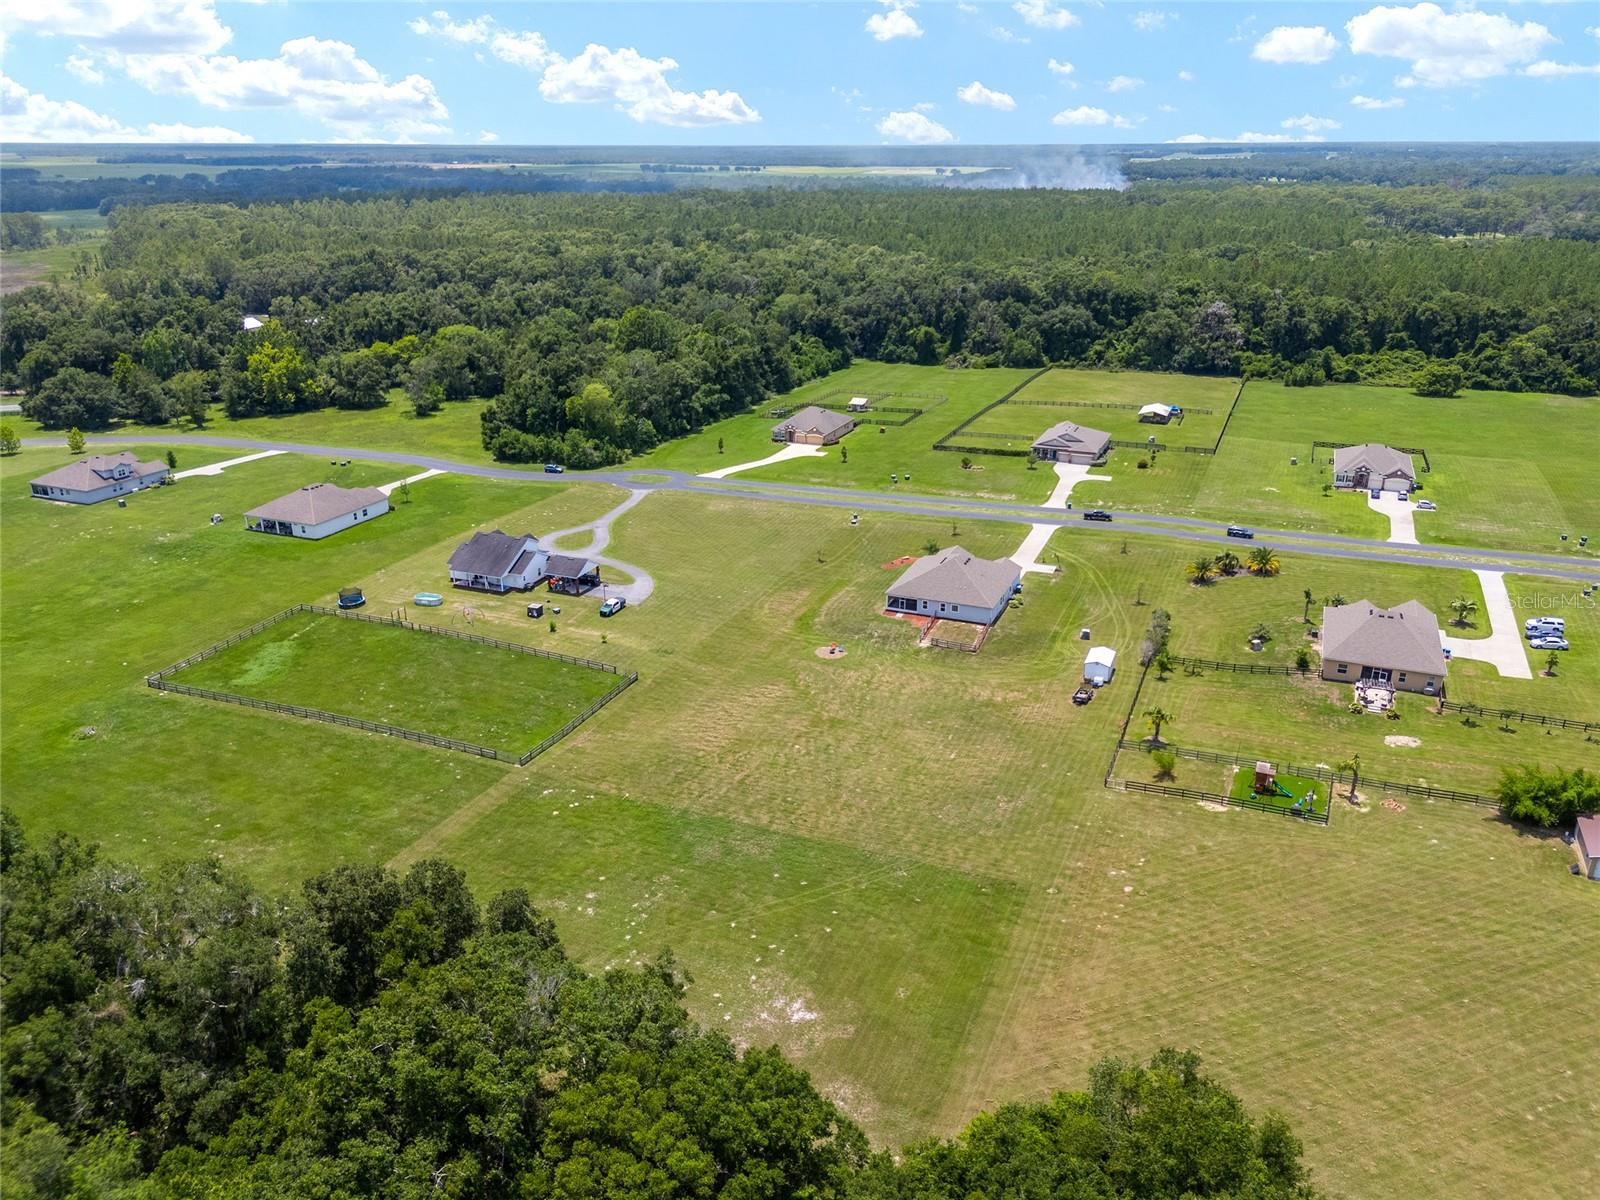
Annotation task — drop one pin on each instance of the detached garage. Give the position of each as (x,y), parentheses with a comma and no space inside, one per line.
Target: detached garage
(1099,665)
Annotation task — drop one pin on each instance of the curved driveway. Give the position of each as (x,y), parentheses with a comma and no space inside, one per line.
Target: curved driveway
(648,479)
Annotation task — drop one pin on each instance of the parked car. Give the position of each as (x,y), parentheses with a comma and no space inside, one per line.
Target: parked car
(613,606)
(1543,631)
(1083,695)
(1405,495)
(1426,506)
(1376,493)
(1559,623)
(1549,643)
(1239,531)
(1097,514)
(553,469)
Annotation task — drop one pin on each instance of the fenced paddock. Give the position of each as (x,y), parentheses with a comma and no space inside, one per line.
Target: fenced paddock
(444,687)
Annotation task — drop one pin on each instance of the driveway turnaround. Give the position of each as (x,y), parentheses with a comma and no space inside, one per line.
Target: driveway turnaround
(1503,648)
(792,450)
(217,468)
(387,488)
(599,530)
(1402,523)
(1068,476)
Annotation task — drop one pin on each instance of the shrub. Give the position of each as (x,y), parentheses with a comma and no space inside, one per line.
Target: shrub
(1302,659)
(1547,797)
(1143,464)
(1166,763)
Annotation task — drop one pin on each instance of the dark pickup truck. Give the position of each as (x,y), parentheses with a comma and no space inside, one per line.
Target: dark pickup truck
(1097,514)
(1083,695)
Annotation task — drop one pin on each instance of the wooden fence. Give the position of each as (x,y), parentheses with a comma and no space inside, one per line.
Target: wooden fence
(1166,789)
(1522,718)
(1186,410)
(1417,450)
(1210,664)
(498,643)
(947,441)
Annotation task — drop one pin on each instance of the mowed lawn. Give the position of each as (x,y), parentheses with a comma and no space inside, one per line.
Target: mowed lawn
(948,910)
(1070,395)
(428,683)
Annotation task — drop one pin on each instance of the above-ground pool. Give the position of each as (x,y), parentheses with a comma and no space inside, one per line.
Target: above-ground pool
(428,599)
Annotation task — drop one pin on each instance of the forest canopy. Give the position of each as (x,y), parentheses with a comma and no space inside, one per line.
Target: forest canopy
(177,1033)
(600,325)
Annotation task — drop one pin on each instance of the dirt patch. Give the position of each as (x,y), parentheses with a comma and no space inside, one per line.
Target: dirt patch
(896,564)
(830,652)
(1212,806)
(1400,739)
(1394,806)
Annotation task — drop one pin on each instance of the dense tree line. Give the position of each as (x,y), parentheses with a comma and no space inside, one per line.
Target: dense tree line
(602,324)
(177,1033)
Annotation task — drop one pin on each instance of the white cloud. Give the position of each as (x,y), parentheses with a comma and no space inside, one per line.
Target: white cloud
(82,65)
(486,135)
(1346,81)
(520,49)
(1001,34)
(28,116)
(1089,115)
(527,50)
(1166,108)
(1044,14)
(639,87)
(125,26)
(474,32)
(1124,83)
(1592,30)
(1545,69)
(915,128)
(1147,22)
(1373,103)
(1309,124)
(1060,68)
(1185,76)
(896,22)
(976,93)
(322,79)
(1446,48)
(1247,137)
(1309,44)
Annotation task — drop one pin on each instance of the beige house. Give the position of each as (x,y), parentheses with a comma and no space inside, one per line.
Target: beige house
(98,477)
(1586,840)
(954,585)
(317,511)
(1397,648)
(1069,442)
(1373,465)
(813,426)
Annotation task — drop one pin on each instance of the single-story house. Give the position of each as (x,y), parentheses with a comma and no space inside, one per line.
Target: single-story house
(1069,442)
(859,404)
(317,510)
(572,574)
(813,426)
(1099,665)
(98,477)
(955,586)
(498,562)
(1156,414)
(1398,648)
(1373,465)
(251,322)
(1587,841)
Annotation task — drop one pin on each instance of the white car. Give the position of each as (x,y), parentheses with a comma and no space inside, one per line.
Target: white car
(1558,624)
(1426,506)
(1549,642)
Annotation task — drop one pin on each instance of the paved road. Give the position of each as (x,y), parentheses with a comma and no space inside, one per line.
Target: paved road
(1329,545)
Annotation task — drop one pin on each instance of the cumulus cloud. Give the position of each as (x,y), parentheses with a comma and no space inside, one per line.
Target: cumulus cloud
(29,116)
(522,49)
(1124,83)
(1062,69)
(440,25)
(894,22)
(1446,48)
(1247,137)
(83,66)
(1308,44)
(976,93)
(487,135)
(1001,34)
(124,26)
(1147,22)
(1373,103)
(519,48)
(1044,14)
(1308,123)
(1087,114)
(317,77)
(1545,69)
(914,127)
(638,86)
(1185,76)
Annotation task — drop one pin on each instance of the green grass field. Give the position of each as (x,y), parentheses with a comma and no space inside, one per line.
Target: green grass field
(899,865)
(427,683)
(1042,404)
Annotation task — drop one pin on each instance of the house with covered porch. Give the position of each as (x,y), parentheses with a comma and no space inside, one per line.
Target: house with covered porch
(316,511)
(572,574)
(1069,442)
(499,562)
(96,478)
(1400,648)
(954,585)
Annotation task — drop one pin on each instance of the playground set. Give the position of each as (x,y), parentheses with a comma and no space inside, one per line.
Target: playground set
(1266,786)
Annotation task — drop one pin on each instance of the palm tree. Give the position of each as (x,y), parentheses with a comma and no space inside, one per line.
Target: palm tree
(1337,600)
(1202,570)
(1157,717)
(1552,660)
(1305,615)
(1264,561)
(1463,607)
(1228,562)
(1353,765)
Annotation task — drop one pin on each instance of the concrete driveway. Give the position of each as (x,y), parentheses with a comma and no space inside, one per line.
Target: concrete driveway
(1402,522)
(1504,648)
(792,450)
(1068,476)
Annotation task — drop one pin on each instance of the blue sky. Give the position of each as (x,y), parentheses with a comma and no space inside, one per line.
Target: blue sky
(884,71)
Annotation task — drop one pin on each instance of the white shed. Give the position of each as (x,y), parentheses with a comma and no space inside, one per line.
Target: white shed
(859,404)
(1099,665)
(1158,414)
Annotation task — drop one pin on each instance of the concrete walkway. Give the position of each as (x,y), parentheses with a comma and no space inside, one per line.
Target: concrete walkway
(792,450)
(1068,476)
(599,530)
(1503,648)
(387,488)
(1402,523)
(218,468)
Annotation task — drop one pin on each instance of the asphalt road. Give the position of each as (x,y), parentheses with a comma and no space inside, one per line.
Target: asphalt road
(1327,545)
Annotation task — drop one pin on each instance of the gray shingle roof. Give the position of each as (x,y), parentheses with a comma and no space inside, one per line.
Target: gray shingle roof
(1403,638)
(812,419)
(1374,457)
(318,502)
(954,576)
(93,472)
(1069,435)
(492,554)
(570,566)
